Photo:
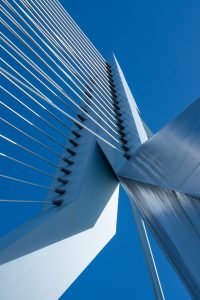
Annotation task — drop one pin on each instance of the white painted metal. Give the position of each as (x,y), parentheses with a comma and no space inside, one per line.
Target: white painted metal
(171,158)
(42,258)
(136,136)
(167,163)
(174,220)
(48,253)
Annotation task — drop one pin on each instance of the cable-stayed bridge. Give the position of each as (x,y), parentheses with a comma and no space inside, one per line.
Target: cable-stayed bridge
(71,133)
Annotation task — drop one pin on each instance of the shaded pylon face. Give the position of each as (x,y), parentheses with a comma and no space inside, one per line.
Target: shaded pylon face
(173,218)
(73,119)
(162,179)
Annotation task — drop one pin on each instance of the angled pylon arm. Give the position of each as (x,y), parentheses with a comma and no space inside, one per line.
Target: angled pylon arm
(48,253)
(171,159)
(134,136)
(162,179)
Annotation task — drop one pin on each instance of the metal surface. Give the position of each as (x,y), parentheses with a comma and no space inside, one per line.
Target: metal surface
(136,135)
(174,220)
(107,138)
(171,158)
(50,251)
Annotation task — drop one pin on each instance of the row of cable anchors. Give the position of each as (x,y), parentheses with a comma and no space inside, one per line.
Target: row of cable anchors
(118,114)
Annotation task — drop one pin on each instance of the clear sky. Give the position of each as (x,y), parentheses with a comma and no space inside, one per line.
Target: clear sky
(157,44)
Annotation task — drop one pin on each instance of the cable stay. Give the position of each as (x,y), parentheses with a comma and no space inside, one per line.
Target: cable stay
(31,124)
(59,191)
(63,15)
(67,115)
(68,29)
(57,65)
(62,180)
(33,112)
(57,202)
(50,37)
(34,154)
(65,47)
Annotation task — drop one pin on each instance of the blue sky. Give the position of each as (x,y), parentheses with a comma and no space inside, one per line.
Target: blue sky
(157,44)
